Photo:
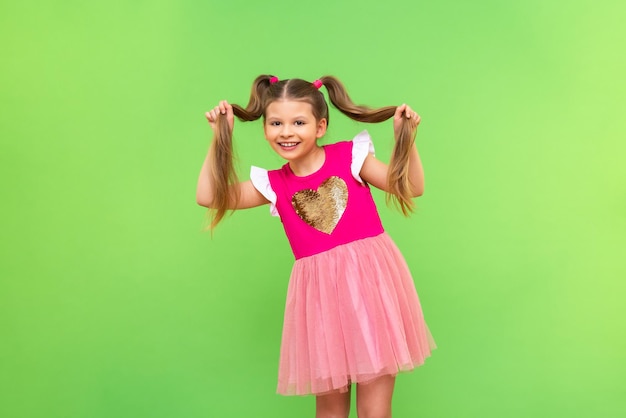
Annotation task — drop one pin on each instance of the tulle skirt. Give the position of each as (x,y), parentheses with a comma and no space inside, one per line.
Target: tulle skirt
(352,315)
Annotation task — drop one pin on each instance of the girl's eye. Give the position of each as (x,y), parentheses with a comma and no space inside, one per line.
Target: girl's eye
(275,123)
(299,123)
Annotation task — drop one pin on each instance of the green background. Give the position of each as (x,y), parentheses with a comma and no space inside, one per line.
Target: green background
(114,303)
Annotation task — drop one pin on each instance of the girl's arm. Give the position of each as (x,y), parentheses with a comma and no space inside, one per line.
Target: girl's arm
(375,171)
(249,196)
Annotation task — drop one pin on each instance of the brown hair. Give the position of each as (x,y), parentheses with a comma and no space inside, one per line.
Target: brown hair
(262,94)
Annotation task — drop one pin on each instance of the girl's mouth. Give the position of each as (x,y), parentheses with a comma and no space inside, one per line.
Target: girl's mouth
(288,145)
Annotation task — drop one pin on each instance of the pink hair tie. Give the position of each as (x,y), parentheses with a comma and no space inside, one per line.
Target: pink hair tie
(273,79)
(318,84)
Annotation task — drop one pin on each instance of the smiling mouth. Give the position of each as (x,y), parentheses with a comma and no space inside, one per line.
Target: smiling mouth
(288,145)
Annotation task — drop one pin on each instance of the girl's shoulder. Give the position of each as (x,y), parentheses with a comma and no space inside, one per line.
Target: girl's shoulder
(338,146)
(361,141)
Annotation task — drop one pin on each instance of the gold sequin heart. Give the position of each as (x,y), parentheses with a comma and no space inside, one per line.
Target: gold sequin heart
(323,208)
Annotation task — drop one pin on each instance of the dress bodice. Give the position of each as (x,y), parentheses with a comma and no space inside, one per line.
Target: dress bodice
(328,208)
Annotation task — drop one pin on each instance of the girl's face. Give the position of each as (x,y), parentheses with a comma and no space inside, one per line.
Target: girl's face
(291,129)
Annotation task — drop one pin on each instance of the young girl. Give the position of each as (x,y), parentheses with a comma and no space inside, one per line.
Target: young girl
(352,315)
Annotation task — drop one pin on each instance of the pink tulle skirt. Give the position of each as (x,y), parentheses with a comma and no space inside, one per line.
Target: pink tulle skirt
(352,315)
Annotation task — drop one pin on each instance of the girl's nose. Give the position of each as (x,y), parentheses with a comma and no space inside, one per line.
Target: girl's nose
(286,131)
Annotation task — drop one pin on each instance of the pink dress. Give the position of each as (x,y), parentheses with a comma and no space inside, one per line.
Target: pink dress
(352,312)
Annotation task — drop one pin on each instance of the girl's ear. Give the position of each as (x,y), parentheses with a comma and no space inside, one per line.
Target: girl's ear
(321,127)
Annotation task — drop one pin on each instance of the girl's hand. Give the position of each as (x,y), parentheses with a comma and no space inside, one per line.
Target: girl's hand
(223,108)
(405,112)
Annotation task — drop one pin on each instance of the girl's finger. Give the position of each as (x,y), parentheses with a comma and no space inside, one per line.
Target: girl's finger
(399,111)
(223,106)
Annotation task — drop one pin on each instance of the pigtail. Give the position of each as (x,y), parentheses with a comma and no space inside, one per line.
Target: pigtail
(226,193)
(398,177)
(339,98)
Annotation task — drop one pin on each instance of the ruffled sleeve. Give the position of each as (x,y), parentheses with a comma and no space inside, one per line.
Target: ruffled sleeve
(361,146)
(261,182)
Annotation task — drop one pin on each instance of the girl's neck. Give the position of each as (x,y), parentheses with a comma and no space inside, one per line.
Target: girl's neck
(308,164)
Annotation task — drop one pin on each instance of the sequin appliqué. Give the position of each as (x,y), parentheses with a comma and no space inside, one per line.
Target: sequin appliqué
(322,208)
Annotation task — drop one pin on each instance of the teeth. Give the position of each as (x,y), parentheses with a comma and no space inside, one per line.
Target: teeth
(288,144)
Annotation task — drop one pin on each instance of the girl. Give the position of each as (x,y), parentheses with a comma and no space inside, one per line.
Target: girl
(352,314)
